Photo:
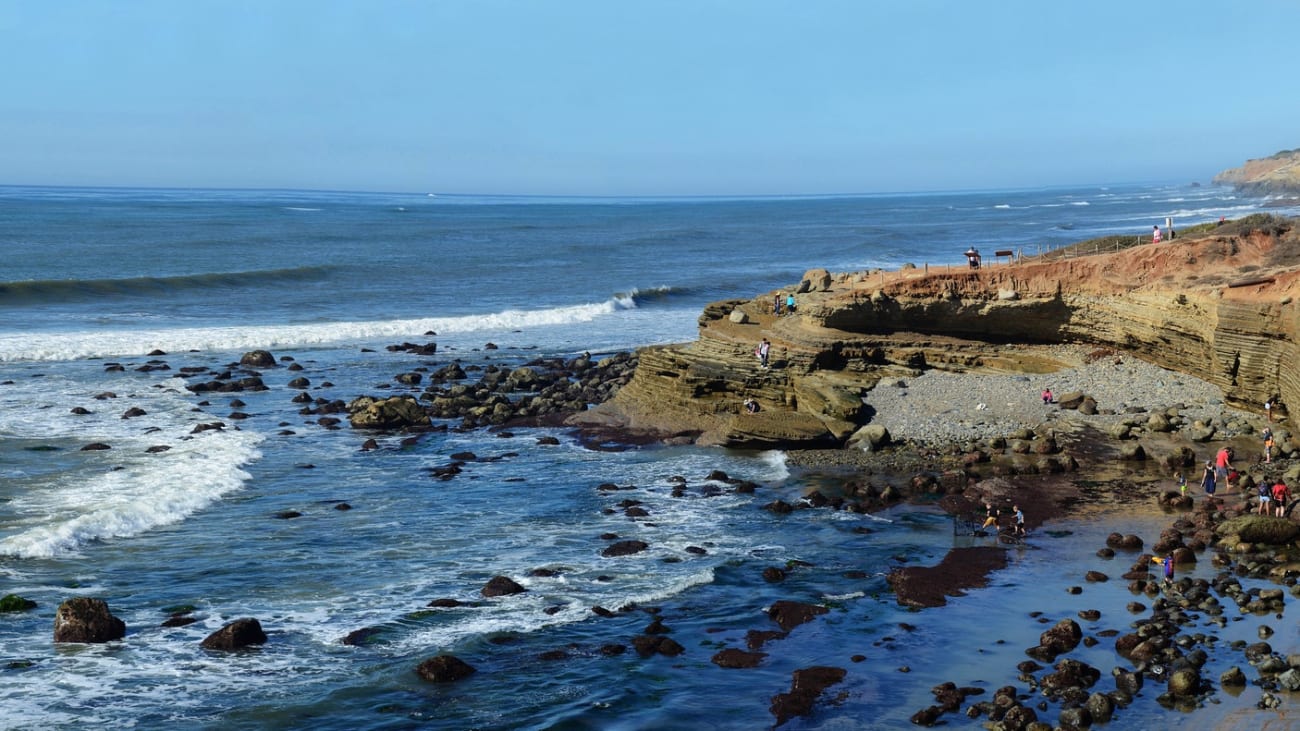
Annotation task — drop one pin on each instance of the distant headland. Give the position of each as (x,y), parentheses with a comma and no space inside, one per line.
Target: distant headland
(1273,175)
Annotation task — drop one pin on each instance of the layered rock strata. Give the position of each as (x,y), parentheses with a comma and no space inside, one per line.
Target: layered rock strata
(1220,307)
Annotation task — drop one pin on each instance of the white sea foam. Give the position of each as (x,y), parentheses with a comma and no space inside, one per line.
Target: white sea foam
(22,346)
(1003,206)
(147,491)
(1080,203)
(778,469)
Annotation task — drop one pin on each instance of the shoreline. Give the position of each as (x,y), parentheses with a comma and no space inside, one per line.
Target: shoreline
(1101,490)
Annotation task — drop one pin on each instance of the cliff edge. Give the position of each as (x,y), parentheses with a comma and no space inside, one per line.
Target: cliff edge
(1219,305)
(1273,175)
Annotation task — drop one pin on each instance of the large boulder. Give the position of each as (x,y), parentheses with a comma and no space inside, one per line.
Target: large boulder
(258,359)
(1071,400)
(501,586)
(818,280)
(83,619)
(444,669)
(236,635)
(870,438)
(398,412)
(1263,529)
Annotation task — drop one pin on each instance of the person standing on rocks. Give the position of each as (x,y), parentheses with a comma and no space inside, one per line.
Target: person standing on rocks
(1020,521)
(1268,409)
(789,304)
(1280,497)
(776,304)
(1222,464)
(1047,396)
(1265,497)
(1208,479)
(1155,234)
(763,350)
(1268,445)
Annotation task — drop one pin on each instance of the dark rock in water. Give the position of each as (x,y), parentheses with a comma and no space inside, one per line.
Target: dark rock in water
(257,359)
(343,507)
(236,635)
(83,619)
(1185,682)
(104,396)
(300,382)
(391,413)
(158,448)
(647,645)
(444,669)
(612,649)
(1233,677)
(180,619)
(1061,638)
(501,586)
(1070,674)
(95,447)
(735,659)
(548,441)
(1095,576)
(15,603)
(81,411)
(788,614)
(287,515)
(133,412)
(445,603)
(807,685)
(624,548)
(361,637)
(755,638)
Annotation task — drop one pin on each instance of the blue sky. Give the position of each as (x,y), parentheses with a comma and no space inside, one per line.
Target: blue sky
(696,97)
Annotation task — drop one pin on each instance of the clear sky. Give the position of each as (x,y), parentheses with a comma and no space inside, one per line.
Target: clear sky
(606,97)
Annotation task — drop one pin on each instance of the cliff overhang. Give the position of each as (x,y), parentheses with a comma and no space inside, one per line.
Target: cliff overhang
(1219,306)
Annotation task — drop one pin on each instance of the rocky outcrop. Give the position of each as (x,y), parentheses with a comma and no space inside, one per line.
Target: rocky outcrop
(1276,174)
(398,412)
(236,635)
(83,619)
(1218,305)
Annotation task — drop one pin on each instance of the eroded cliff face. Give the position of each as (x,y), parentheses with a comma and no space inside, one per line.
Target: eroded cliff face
(1221,308)
(1279,173)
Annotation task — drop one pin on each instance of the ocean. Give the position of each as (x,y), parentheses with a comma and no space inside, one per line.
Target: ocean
(106,294)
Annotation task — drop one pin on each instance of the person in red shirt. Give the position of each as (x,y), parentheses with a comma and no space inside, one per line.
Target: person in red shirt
(1223,463)
(1280,497)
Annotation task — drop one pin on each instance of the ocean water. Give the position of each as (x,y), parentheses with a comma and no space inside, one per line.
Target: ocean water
(97,278)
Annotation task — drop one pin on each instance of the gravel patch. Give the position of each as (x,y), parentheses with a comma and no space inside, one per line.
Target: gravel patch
(941,407)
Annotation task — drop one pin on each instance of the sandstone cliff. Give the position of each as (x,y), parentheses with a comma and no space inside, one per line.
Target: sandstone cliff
(1277,174)
(1220,306)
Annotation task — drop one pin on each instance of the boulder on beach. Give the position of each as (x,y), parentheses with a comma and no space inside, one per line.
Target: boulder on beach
(870,438)
(236,635)
(1264,529)
(84,619)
